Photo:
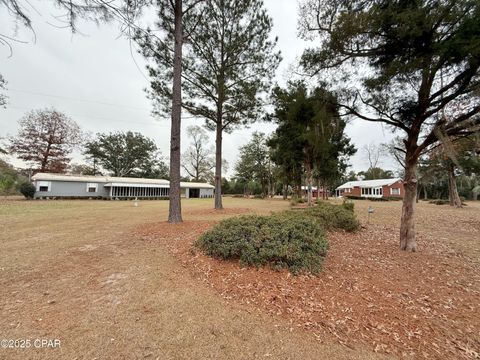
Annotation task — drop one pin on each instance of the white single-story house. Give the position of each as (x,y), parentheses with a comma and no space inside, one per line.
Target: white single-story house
(372,188)
(48,185)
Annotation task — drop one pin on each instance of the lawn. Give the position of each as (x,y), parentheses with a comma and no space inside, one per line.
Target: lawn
(114,281)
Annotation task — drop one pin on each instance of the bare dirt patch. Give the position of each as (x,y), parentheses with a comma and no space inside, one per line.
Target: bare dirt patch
(422,305)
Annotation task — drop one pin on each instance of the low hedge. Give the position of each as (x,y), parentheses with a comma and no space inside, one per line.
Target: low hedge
(282,240)
(354,197)
(291,239)
(439,202)
(334,216)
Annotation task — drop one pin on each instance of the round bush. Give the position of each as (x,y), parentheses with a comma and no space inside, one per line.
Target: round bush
(334,216)
(284,240)
(27,189)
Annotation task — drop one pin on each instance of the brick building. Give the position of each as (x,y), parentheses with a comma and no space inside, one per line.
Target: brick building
(372,188)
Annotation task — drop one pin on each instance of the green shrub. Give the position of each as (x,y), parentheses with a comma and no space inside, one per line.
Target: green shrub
(354,197)
(27,189)
(334,216)
(439,202)
(385,198)
(283,240)
(378,199)
(392,198)
(347,204)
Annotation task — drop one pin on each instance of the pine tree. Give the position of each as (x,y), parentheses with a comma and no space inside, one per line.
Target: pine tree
(406,61)
(227,63)
(310,137)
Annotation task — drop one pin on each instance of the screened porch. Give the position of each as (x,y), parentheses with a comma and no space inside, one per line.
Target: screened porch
(122,191)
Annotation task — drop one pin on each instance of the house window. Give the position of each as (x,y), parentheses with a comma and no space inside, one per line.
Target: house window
(43,186)
(366,191)
(394,191)
(92,187)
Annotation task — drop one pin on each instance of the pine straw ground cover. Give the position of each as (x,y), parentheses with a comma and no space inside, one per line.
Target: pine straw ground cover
(422,305)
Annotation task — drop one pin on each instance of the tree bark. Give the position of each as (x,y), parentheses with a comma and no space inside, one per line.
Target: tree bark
(407,225)
(308,170)
(218,163)
(452,187)
(318,190)
(175,208)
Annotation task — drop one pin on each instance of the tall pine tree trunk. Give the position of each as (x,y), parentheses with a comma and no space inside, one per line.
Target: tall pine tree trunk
(218,162)
(407,225)
(175,208)
(308,170)
(452,187)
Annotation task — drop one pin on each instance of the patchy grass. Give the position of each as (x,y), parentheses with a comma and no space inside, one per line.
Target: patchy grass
(100,276)
(92,274)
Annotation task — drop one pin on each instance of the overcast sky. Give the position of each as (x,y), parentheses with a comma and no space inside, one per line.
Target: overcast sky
(94,79)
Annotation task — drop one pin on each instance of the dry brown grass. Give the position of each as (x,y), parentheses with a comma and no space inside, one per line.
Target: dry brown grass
(76,271)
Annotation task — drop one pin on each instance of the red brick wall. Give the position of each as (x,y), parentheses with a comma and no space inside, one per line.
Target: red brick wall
(356,191)
(399,185)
